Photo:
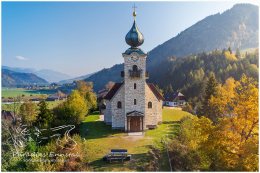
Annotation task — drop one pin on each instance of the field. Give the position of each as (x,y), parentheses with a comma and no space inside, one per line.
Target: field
(100,139)
(51,104)
(14,92)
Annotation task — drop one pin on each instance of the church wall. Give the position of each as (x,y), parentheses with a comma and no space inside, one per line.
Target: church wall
(153,115)
(108,113)
(118,114)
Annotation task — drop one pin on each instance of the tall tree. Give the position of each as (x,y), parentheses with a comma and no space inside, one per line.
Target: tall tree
(234,142)
(210,90)
(28,112)
(86,91)
(74,109)
(45,116)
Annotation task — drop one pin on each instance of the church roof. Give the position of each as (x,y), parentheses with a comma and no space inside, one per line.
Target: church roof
(155,91)
(113,91)
(137,50)
(134,37)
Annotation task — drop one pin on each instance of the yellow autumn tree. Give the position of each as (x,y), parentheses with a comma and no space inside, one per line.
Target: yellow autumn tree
(230,56)
(235,139)
(86,90)
(220,104)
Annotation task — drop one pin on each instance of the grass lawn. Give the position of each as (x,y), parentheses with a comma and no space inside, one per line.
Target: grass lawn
(100,139)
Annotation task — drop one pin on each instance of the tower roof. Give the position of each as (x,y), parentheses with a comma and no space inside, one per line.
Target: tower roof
(134,37)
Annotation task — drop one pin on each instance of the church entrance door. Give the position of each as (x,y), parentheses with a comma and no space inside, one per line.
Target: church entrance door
(135,124)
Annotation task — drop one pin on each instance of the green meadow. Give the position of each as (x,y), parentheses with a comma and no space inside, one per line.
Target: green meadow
(14,92)
(100,139)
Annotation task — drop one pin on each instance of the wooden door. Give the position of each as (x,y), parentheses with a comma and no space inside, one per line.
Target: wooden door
(135,124)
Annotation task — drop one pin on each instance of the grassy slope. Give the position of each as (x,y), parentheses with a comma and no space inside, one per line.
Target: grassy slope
(100,139)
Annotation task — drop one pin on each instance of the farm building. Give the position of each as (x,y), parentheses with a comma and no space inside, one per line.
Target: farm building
(176,99)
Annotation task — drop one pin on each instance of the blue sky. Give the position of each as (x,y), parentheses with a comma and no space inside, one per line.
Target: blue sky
(78,38)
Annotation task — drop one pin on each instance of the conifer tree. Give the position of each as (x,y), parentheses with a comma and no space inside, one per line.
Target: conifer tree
(45,117)
(210,90)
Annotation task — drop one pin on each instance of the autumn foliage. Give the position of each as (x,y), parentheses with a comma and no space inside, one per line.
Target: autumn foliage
(230,144)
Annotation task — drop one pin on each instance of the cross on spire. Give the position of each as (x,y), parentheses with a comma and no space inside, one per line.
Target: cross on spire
(134,7)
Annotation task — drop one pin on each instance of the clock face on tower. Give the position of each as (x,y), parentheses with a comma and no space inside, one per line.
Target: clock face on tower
(134,58)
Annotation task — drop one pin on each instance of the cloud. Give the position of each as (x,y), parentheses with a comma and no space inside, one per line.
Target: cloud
(21,58)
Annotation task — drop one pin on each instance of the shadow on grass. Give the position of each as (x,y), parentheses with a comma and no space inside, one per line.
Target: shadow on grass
(137,163)
(96,129)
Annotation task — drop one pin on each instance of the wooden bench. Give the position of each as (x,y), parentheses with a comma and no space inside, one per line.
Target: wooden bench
(117,155)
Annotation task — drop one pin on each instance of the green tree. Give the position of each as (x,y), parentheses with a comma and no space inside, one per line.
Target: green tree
(28,112)
(72,111)
(45,116)
(229,49)
(86,91)
(210,90)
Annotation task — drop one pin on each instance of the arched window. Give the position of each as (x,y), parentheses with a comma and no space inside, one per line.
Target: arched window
(134,85)
(150,105)
(135,68)
(134,101)
(119,105)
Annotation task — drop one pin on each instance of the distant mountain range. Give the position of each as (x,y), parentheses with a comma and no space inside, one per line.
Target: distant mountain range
(17,79)
(75,79)
(48,75)
(235,28)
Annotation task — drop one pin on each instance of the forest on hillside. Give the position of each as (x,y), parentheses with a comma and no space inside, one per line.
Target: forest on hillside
(189,74)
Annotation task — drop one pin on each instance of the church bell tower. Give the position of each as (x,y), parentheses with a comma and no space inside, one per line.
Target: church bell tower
(135,76)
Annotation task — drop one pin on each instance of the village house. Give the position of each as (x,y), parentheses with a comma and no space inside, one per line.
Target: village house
(176,99)
(57,96)
(133,105)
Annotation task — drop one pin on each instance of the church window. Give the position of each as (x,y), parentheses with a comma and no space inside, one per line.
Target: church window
(135,68)
(150,105)
(134,85)
(134,101)
(119,105)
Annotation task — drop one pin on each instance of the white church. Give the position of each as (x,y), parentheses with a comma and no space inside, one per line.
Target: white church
(133,105)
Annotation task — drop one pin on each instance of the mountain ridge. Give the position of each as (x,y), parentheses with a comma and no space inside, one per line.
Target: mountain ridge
(17,79)
(47,74)
(235,28)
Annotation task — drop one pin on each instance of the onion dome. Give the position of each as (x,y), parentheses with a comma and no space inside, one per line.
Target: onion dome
(134,37)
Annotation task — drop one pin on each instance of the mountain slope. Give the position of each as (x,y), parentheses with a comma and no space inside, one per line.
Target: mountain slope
(49,75)
(75,79)
(15,79)
(237,28)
